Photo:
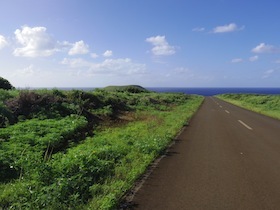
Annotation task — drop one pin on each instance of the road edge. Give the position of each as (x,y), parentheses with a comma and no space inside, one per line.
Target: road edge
(126,202)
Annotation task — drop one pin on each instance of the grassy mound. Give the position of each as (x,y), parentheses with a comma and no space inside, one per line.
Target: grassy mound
(127,88)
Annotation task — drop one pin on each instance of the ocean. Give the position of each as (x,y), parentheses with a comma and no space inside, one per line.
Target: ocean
(216,91)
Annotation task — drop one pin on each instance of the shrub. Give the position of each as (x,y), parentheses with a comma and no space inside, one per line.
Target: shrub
(5,84)
(31,104)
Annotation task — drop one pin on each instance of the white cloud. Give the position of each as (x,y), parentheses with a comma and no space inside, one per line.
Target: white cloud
(3,42)
(108,53)
(79,48)
(237,60)
(94,55)
(35,42)
(265,48)
(198,29)
(227,28)
(109,66)
(254,58)
(161,46)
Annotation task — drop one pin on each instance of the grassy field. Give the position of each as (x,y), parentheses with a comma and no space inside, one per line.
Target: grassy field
(265,104)
(82,150)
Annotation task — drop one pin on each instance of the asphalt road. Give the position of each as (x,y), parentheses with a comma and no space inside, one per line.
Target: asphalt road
(228,158)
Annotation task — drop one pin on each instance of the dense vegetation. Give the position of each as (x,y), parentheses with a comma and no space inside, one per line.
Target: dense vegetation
(76,149)
(5,84)
(264,104)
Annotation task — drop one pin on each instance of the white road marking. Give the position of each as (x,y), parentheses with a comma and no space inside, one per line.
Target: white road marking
(227,111)
(221,107)
(244,124)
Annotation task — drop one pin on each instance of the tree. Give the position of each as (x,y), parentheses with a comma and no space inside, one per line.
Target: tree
(5,84)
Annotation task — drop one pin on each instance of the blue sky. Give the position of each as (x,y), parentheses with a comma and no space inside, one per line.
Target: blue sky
(170,43)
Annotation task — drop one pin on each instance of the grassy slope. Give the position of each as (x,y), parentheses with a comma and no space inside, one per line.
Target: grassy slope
(92,172)
(265,104)
(129,88)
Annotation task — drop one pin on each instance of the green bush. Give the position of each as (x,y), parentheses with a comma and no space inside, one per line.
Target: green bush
(5,84)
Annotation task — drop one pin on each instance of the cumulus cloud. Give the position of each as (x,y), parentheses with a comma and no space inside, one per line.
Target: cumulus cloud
(79,48)
(254,58)
(3,42)
(265,48)
(161,46)
(227,28)
(108,53)
(237,60)
(34,42)
(108,66)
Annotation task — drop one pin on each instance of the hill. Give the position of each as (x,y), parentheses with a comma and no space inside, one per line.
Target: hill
(127,88)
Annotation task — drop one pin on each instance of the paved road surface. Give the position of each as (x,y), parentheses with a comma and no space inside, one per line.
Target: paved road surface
(228,158)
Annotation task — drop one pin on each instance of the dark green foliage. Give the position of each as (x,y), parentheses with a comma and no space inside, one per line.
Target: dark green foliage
(5,84)
(31,104)
(6,116)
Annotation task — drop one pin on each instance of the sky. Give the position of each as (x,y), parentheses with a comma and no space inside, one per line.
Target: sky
(152,43)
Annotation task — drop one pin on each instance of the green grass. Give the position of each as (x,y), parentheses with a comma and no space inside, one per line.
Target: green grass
(86,149)
(142,142)
(25,144)
(265,104)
